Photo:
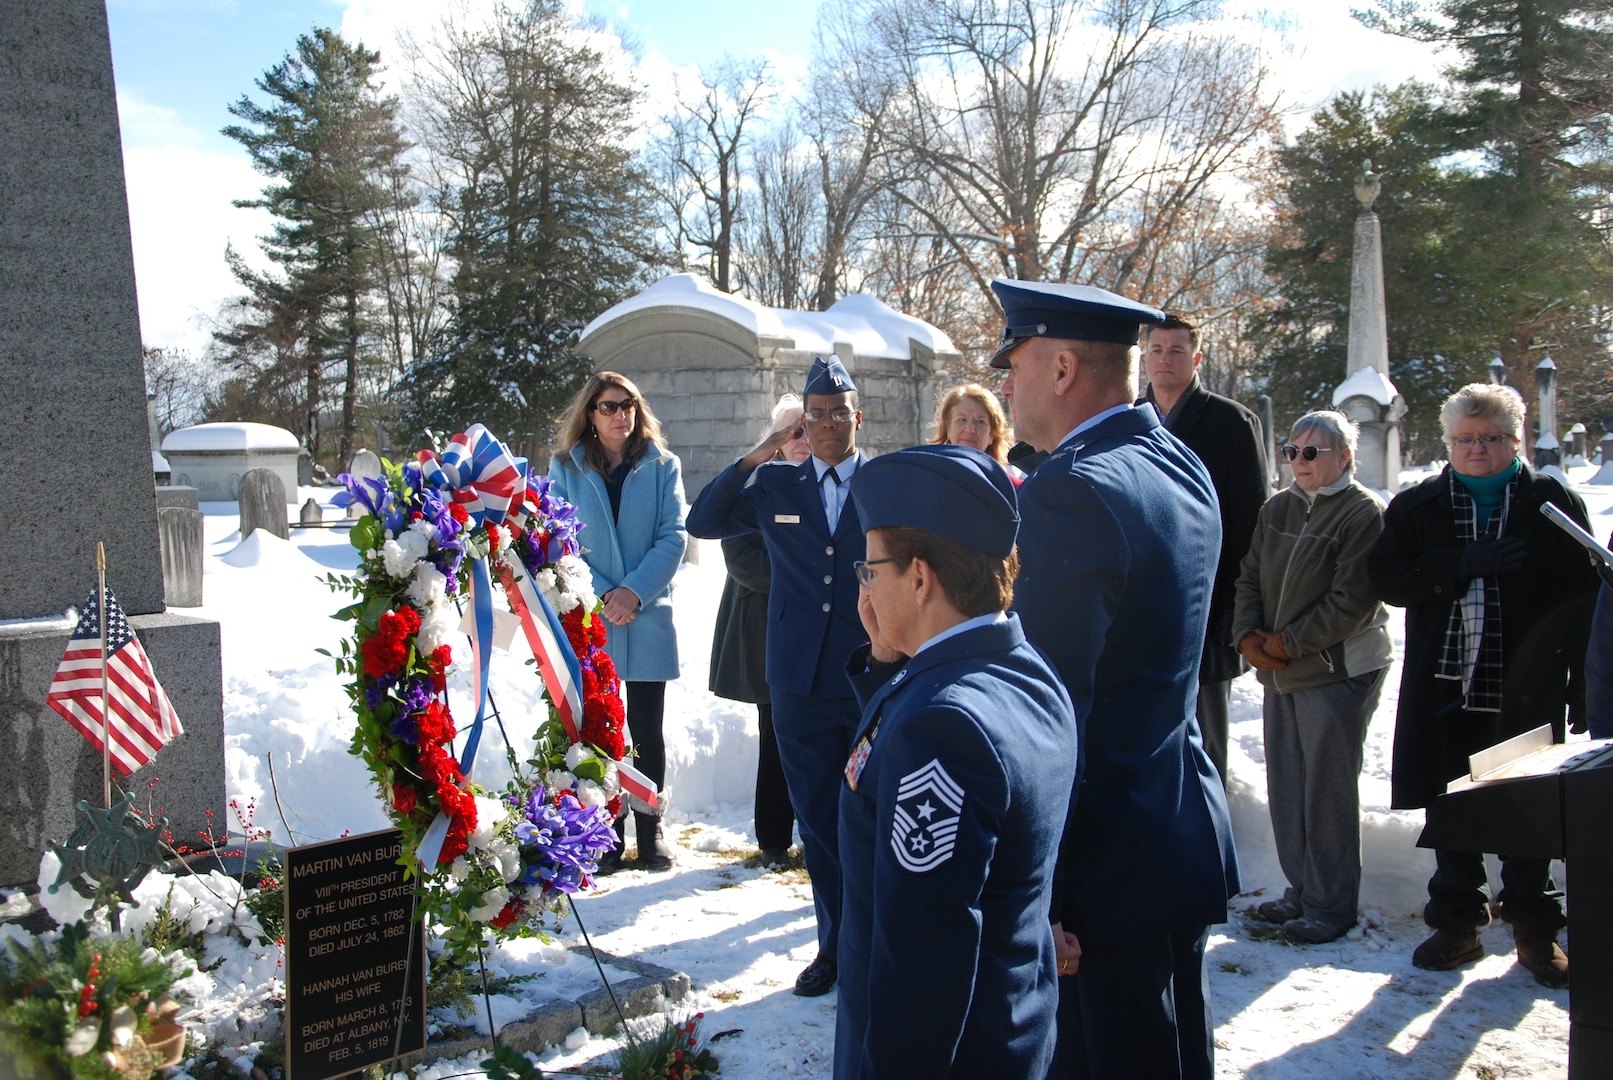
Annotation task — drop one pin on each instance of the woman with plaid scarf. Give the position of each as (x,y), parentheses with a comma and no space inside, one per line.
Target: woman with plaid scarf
(1498,604)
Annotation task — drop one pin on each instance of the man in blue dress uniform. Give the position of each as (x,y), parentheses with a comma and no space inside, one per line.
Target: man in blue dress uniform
(813,539)
(956,791)
(1118,551)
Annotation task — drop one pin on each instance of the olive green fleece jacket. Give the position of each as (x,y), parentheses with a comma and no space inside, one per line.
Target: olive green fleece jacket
(1306,577)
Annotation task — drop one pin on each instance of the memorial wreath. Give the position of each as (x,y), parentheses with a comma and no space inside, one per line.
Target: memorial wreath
(435,535)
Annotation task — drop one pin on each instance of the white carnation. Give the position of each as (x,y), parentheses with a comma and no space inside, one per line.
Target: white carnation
(438,623)
(576,754)
(424,529)
(459,869)
(613,780)
(490,814)
(560,780)
(493,901)
(429,585)
(591,794)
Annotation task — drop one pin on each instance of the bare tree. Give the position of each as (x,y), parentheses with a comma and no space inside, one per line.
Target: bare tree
(1060,139)
(700,157)
(777,247)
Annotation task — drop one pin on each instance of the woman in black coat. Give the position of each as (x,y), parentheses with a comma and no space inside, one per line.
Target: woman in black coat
(1498,604)
(739,657)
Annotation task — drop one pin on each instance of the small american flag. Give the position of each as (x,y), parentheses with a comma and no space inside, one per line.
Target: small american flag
(142,718)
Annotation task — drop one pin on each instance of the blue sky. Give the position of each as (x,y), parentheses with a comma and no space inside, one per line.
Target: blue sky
(180,63)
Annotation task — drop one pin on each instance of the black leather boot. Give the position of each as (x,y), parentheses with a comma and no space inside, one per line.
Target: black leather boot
(653,853)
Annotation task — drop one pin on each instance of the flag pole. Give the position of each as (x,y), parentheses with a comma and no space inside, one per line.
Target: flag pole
(106,713)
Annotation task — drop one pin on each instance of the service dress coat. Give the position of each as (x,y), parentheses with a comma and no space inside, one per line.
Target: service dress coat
(1545,621)
(812,618)
(948,843)
(640,550)
(1118,544)
(1230,441)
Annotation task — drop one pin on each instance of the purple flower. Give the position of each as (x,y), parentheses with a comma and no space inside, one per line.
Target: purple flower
(417,695)
(404,729)
(373,494)
(562,841)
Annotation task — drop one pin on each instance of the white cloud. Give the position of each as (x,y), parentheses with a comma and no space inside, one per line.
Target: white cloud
(180,218)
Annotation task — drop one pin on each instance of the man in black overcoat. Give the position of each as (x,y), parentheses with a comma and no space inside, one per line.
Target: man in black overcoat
(1230,441)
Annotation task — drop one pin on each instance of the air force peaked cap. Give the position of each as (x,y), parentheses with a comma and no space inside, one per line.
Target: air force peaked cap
(828,377)
(1081,312)
(952,491)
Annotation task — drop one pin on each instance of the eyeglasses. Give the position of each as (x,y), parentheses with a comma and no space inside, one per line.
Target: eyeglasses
(609,407)
(865,569)
(1307,452)
(840,414)
(1468,441)
(981,422)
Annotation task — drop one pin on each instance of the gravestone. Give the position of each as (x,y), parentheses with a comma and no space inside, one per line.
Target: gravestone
(365,463)
(305,469)
(178,495)
(321,476)
(180,530)
(263,504)
(312,515)
(71,360)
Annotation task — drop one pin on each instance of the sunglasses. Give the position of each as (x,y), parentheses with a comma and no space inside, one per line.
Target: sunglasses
(609,408)
(1307,452)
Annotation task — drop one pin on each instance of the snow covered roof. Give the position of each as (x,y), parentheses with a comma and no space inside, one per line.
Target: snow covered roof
(870,327)
(231,435)
(1367,382)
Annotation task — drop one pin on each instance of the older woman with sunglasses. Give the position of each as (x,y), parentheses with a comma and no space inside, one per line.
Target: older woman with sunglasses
(1498,604)
(613,465)
(1307,619)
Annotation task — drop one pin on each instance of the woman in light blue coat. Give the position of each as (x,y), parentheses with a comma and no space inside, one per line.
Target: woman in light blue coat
(614,467)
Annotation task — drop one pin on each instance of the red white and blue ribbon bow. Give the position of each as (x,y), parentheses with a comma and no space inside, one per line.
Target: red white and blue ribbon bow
(479,472)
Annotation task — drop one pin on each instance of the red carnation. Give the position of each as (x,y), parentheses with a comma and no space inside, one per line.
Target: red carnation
(436,725)
(403,799)
(458,513)
(511,912)
(404,622)
(383,655)
(492,538)
(437,663)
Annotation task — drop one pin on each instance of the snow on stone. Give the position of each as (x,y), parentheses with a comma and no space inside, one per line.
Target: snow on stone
(1367,382)
(860,321)
(230,435)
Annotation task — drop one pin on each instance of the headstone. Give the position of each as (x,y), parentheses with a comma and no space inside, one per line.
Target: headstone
(321,476)
(71,361)
(312,516)
(365,463)
(178,495)
(263,504)
(1548,451)
(1367,396)
(305,469)
(182,549)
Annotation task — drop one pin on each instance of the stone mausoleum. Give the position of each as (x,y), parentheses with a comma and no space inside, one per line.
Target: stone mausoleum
(212,458)
(712,364)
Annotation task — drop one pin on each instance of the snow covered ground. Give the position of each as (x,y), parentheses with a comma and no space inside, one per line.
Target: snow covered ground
(1353,1008)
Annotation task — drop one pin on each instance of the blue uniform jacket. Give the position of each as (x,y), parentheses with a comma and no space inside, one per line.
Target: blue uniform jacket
(946,960)
(812,622)
(1118,545)
(641,550)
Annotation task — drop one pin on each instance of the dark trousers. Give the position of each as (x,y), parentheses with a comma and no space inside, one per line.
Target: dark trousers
(646,705)
(1458,896)
(1213,709)
(775,820)
(814,740)
(1137,1009)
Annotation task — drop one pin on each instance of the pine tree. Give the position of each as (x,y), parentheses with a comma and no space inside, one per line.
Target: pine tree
(550,220)
(1529,125)
(330,142)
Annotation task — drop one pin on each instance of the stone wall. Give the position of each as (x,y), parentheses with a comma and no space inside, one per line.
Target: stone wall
(714,394)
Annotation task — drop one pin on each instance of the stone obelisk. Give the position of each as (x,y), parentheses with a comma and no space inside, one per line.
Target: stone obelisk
(80,464)
(1367,396)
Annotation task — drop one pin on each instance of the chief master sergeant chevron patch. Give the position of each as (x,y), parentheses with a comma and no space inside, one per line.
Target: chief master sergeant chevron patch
(925,826)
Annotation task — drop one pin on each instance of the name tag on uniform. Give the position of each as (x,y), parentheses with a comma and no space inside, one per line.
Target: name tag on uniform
(786,519)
